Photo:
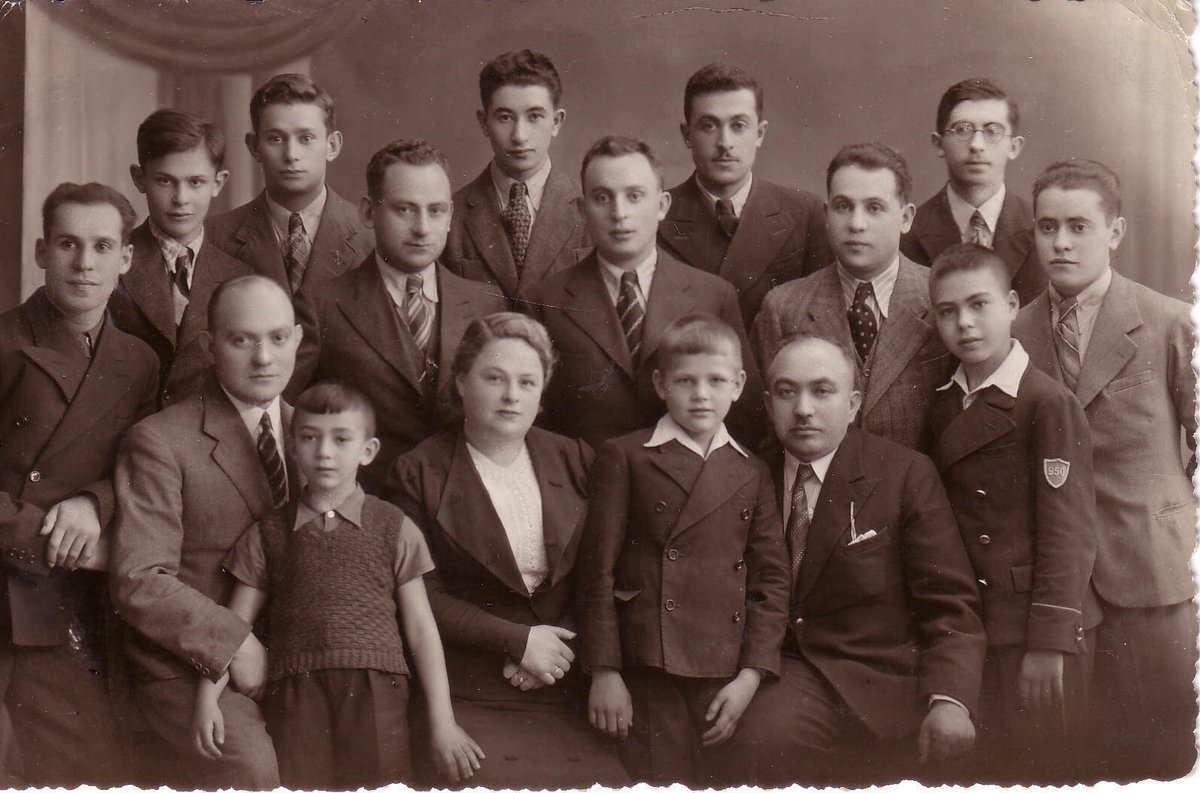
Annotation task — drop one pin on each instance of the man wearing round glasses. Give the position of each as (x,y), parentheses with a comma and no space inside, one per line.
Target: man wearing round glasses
(977,137)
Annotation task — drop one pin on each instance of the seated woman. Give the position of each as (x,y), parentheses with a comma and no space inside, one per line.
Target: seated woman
(502,505)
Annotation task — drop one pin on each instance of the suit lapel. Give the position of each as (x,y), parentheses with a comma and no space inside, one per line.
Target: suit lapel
(670,298)
(147,283)
(691,229)
(210,271)
(827,308)
(337,230)
(257,241)
(988,419)
(55,349)
(563,510)
(761,232)
(1012,242)
(939,231)
(373,315)
(723,474)
(1110,347)
(1039,340)
(454,315)
(486,228)
(901,335)
(591,309)
(557,217)
(234,451)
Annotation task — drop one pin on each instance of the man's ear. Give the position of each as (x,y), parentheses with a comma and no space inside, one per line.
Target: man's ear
(935,139)
(219,180)
(366,211)
(138,176)
(685,132)
(252,146)
(855,404)
(206,343)
(659,387)
(334,146)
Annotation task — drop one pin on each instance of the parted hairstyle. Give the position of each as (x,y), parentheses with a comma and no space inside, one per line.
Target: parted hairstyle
(969,257)
(619,146)
(410,152)
(504,325)
(872,157)
(168,131)
(850,355)
(697,334)
(291,89)
(720,77)
(971,89)
(1083,175)
(521,67)
(90,194)
(330,397)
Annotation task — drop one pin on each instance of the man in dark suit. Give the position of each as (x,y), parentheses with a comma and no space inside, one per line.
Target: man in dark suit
(190,480)
(874,300)
(391,327)
(520,219)
(296,231)
(607,313)
(70,385)
(977,137)
(724,220)
(163,299)
(885,643)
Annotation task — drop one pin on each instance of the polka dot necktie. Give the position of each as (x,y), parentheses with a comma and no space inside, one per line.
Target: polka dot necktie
(517,222)
(863,326)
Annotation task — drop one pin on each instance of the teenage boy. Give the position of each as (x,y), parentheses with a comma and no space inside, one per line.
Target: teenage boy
(724,219)
(875,300)
(607,314)
(676,639)
(163,299)
(1014,452)
(70,385)
(1125,351)
(297,231)
(391,326)
(977,137)
(520,220)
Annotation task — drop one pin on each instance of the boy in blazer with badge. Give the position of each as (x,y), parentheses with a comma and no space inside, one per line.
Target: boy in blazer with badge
(683,578)
(1014,451)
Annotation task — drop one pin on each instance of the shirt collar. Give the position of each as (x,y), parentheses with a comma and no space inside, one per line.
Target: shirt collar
(310,215)
(738,199)
(962,211)
(883,285)
(667,430)
(820,466)
(536,184)
(1007,376)
(644,270)
(1091,296)
(252,415)
(350,509)
(396,282)
(172,248)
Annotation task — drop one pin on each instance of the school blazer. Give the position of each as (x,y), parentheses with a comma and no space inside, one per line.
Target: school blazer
(353,333)
(482,606)
(188,482)
(933,230)
(683,566)
(906,366)
(1019,476)
(1138,392)
(143,305)
(780,237)
(245,233)
(596,392)
(61,420)
(894,618)
(478,247)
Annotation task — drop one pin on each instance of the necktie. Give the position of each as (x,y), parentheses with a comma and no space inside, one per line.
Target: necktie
(517,222)
(268,453)
(1067,341)
(629,309)
(418,313)
(798,518)
(863,327)
(295,251)
(182,263)
(726,217)
(977,231)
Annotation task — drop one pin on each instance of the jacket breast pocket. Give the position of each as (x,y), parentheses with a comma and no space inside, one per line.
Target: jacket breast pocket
(1124,383)
(999,450)
(867,545)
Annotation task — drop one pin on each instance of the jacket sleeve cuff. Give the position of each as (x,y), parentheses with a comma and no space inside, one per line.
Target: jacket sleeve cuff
(1058,628)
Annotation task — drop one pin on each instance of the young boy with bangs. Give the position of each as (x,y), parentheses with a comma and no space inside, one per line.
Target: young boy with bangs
(683,576)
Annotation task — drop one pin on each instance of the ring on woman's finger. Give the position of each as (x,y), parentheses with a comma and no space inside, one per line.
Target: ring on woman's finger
(558,670)
(520,679)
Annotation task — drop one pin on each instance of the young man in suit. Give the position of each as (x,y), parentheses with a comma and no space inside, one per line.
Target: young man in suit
(874,300)
(70,385)
(884,651)
(1125,351)
(725,220)
(163,299)
(391,326)
(520,220)
(297,231)
(190,480)
(607,314)
(977,137)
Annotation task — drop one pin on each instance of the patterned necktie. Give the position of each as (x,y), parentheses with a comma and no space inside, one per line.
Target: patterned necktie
(1067,341)
(295,251)
(798,518)
(863,327)
(629,309)
(977,231)
(726,216)
(182,264)
(517,222)
(418,313)
(268,453)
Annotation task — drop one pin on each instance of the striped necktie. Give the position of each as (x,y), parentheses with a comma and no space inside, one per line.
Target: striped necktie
(1067,341)
(296,250)
(272,462)
(631,313)
(977,231)
(418,313)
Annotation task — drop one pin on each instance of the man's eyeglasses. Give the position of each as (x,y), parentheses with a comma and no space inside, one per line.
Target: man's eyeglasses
(965,131)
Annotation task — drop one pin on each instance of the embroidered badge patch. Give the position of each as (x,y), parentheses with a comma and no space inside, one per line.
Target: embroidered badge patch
(1056,471)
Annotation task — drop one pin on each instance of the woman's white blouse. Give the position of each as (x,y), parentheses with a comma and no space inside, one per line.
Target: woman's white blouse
(517,499)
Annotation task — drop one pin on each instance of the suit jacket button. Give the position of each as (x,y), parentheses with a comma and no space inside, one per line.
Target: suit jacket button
(670,604)
(981,493)
(799,623)
(660,506)
(35,475)
(739,564)
(489,604)
(866,374)
(737,616)
(673,554)
(22,421)
(984,539)
(983,582)
(746,514)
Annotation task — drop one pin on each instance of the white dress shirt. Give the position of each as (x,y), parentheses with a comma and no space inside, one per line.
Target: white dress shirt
(396,283)
(535,187)
(812,488)
(310,216)
(962,211)
(882,285)
(1090,298)
(611,275)
(252,415)
(1007,376)
(738,199)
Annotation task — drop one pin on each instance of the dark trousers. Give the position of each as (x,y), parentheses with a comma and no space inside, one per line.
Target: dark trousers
(340,729)
(664,743)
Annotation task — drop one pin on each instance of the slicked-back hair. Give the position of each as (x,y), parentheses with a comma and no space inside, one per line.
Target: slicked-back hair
(521,67)
(225,287)
(851,357)
(972,89)
(504,325)
(872,157)
(330,397)
(1083,175)
(966,257)
(411,152)
(291,89)
(619,146)
(697,334)
(718,78)
(90,194)
(168,131)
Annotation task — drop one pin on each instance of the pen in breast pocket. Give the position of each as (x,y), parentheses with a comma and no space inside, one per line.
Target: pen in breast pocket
(853,528)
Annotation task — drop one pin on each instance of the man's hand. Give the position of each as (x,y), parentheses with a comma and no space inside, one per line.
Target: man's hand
(946,732)
(547,656)
(248,668)
(728,705)
(610,708)
(1040,683)
(74,529)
